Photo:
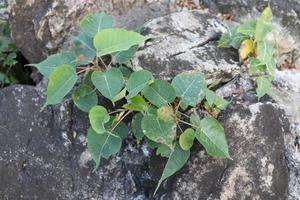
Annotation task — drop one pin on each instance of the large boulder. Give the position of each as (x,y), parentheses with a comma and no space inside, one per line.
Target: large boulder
(187,41)
(43,154)
(40,28)
(257,169)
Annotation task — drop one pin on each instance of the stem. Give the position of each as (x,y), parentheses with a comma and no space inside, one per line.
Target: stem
(128,112)
(184,114)
(116,111)
(184,122)
(103,62)
(179,127)
(84,70)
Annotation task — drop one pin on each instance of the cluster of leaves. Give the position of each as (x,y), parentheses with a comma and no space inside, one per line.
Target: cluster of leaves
(157,107)
(250,39)
(8,52)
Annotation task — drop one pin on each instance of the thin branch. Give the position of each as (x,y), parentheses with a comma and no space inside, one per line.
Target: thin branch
(184,122)
(128,112)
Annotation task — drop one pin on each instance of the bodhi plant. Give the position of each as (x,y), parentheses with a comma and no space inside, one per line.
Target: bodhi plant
(250,39)
(158,108)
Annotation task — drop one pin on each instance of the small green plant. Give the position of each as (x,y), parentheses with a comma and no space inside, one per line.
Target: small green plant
(157,107)
(250,39)
(8,53)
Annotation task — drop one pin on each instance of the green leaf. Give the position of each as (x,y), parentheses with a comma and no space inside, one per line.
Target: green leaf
(121,130)
(102,145)
(256,66)
(85,98)
(265,52)
(137,103)
(123,57)
(46,67)
(137,82)
(261,30)
(136,127)
(267,14)
(247,28)
(211,136)
(109,83)
(125,71)
(177,159)
(195,120)
(94,23)
(163,150)
(165,113)
(109,41)
(61,82)
(120,96)
(190,87)
(214,99)
(3,78)
(231,38)
(186,139)
(98,117)
(160,93)
(263,86)
(157,130)
(84,49)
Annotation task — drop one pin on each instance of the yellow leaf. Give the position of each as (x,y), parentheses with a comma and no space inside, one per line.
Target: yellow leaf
(247,47)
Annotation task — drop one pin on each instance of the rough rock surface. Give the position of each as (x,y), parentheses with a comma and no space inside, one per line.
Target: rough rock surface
(286,11)
(257,169)
(43,154)
(186,42)
(40,28)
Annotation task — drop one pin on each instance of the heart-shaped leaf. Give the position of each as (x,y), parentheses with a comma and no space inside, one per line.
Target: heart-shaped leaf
(85,98)
(186,139)
(163,150)
(94,23)
(137,82)
(109,41)
(211,136)
(190,87)
(46,67)
(109,83)
(247,28)
(160,93)
(102,145)
(123,57)
(267,14)
(177,158)
(261,30)
(98,117)
(137,103)
(158,130)
(61,82)
(84,49)
(263,86)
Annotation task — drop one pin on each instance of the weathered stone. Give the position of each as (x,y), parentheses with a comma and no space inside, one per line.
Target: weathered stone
(40,28)
(43,154)
(286,11)
(186,42)
(257,169)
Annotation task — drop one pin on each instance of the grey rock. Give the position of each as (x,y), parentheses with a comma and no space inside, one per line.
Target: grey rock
(186,42)
(40,28)
(286,92)
(287,12)
(257,169)
(43,154)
